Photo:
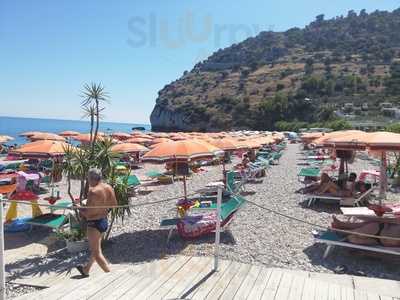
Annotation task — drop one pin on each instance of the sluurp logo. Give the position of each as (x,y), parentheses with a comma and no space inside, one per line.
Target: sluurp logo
(155,31)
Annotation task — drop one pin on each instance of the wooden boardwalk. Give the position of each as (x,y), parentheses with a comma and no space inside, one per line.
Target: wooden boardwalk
(182,277)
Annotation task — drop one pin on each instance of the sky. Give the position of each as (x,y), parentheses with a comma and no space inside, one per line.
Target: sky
(50,49)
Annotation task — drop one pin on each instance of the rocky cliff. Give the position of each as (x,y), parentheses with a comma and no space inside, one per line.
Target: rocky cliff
(301,74)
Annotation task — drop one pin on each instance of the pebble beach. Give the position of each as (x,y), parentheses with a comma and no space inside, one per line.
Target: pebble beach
(255,236)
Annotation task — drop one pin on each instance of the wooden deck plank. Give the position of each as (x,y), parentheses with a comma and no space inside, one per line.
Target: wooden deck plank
(322,290)
(360,295)
(272,285)
(260,284)
(334,292)
(281,290)
(207,286)
(125,278)
(191,278)
(347,293)
(160,291)
(248,283)
(235,283)
(297,287)
(387,298)
(309,289)
(186,284)
(372,296)
(156,267)
(91,286)
(154,279)
(197,283)
(224,281)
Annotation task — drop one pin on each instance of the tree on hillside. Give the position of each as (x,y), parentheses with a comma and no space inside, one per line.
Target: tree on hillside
(392,83)
(308,68)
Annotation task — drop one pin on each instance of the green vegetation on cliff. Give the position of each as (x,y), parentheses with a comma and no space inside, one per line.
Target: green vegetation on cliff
(301,75)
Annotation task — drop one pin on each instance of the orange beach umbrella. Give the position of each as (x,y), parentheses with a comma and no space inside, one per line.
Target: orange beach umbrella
(186,150)
(46,136)
(128,148)
(121,135)
(29,133)
(5,138)
(138,140)
(42,148)
(69,133)
(227,144)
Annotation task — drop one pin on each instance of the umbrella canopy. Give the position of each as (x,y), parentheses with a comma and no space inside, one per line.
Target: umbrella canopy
(121,135)
(128,148)
(227,144)
(324,139)
(5,138)
(85,137)
(310,136)
(141,134)
(138,140)
(160,140)
(29,133)
(46,136)
(160,135)
(182,150)
(69,133)
(384,141)
(250,144)
(44,148)
(351,141)
(178,137)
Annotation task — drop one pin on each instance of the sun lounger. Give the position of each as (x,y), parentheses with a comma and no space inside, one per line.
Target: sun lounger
(308,176)
(343,201)
(133,183)
(53,221)
(275,157)
(332,239)
(263,161)
(199,222)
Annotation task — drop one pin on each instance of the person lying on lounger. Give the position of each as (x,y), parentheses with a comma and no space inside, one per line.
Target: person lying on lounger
(327,186)
(384,228)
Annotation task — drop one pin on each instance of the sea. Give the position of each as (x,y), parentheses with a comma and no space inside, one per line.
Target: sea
(13,126)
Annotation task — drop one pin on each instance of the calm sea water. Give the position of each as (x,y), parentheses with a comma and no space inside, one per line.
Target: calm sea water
(13,126)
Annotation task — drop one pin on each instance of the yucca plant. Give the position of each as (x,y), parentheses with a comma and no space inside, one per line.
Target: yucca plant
(94,95)
(121,189)
(78,161)
(104,158)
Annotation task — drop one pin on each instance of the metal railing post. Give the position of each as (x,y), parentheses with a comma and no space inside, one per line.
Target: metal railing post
(2,270)
(218,229)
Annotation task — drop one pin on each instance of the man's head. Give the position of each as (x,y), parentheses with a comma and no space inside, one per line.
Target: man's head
(94,176)
(352,177)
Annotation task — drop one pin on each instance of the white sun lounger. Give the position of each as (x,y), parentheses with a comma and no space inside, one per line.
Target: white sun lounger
(345,201)
(332,239)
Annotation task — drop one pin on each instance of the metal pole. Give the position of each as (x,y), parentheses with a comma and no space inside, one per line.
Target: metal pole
(217,228)
(383,178)
(2,270)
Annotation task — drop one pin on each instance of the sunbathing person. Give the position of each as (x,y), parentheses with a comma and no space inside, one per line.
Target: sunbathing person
(328,186)
(387,228)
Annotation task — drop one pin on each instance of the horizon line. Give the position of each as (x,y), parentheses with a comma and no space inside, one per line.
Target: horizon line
(81,120)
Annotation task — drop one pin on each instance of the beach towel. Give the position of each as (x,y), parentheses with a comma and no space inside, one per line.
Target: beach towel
(195,226)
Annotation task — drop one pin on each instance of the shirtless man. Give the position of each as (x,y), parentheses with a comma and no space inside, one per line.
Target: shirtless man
(100,194)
